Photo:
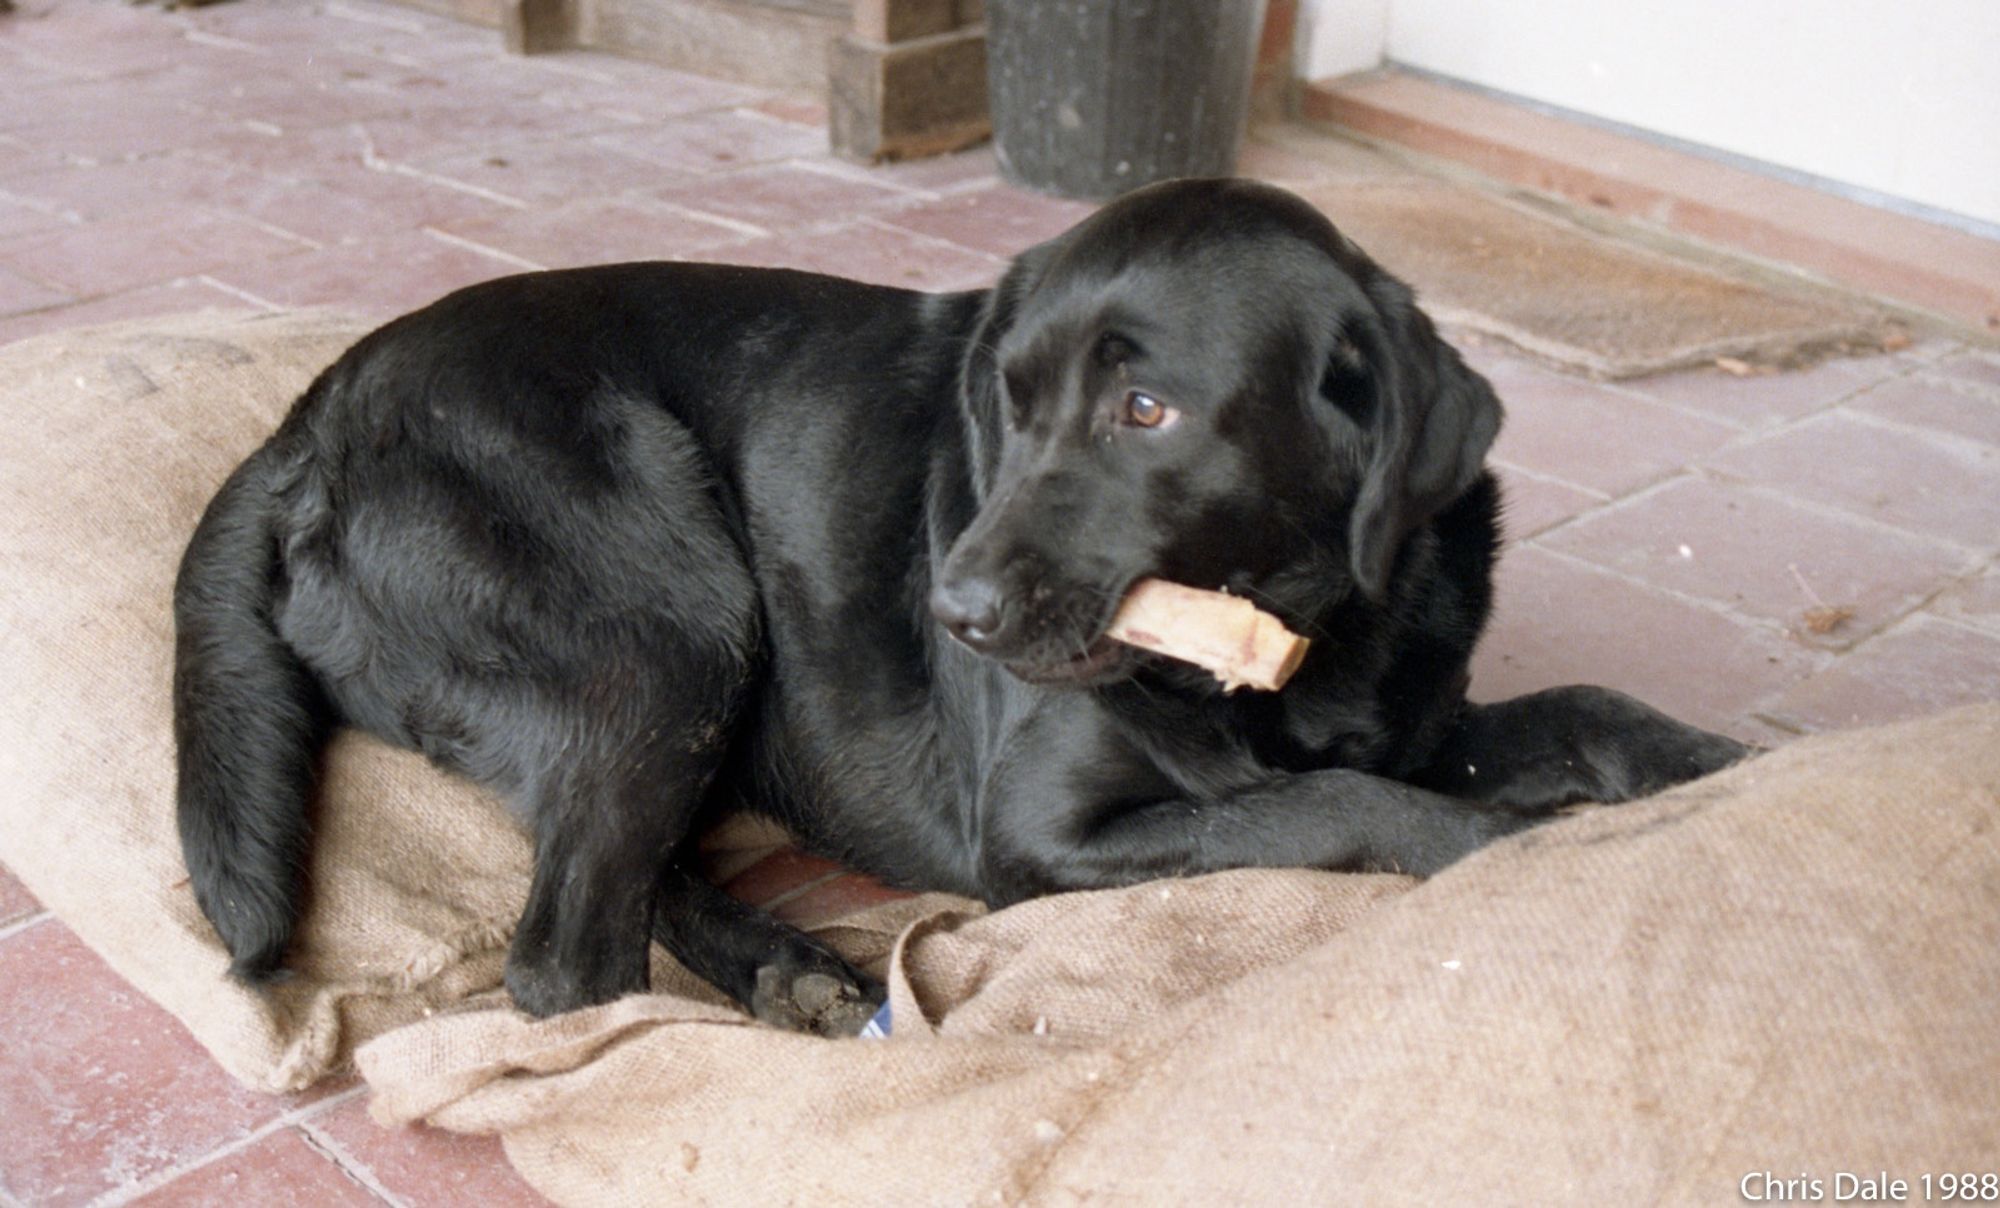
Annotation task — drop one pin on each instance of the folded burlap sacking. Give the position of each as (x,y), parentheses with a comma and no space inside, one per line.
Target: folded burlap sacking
(1792,967)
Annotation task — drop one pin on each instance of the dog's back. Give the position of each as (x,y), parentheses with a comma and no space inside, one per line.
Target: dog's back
(510,531)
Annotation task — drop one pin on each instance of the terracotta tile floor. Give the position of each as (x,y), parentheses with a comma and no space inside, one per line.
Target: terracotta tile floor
(1671,534)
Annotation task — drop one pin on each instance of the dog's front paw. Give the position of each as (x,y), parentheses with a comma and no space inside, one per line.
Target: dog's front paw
(1675,758)
(815,992)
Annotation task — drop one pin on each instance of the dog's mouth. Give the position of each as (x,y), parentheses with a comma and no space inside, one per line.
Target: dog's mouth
(1103,661)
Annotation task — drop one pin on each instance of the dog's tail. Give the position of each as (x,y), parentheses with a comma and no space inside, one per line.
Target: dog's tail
(249,721)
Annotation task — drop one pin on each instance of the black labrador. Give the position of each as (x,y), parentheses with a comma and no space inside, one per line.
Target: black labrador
(641,543)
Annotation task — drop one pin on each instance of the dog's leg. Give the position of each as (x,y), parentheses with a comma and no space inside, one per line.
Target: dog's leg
(1338,819)
(782,975)
(599,846)
(629,765)
(1567,745)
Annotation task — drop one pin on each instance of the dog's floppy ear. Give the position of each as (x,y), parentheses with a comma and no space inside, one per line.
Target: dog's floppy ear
(979,385)
(1434,418)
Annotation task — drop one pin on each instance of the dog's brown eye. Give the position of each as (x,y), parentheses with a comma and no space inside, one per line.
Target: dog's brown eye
(1142,410)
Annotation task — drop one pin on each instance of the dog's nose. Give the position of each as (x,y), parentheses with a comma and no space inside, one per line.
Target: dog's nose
(973,609)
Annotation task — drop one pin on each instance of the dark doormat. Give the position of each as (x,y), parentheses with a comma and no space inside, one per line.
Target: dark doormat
(1586,299)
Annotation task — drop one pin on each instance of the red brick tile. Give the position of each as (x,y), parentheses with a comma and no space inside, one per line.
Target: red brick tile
(1764,557)
(378,277)
(16,156)
(119,118)
(663,93)
(1925,351)
(16,903)
(176,298)
(425,1167)
(799,110)
(397,200)
(1981,369)
(19,294)
(99,1088)
(781,873)
(488,80)
(327,215)
(1760,400)
(294,155)
(785,196)
(1532,505)
(91,42)
(441,129)
(1000,221)
(1922,666)
(869,251)
(146,247)
(1489,355)
(598,232)
(637,75)
(834,899)
(1560,622)
(1945,488)
(19,218)
(29,82)
(942,174)
(549,170)
(277,25)
(397,34)
(386,146)
(99,191)
(717,142)
(1942,404)
(1593,436)
(448,44)
(283,1168)
(1975,602)
(297,95)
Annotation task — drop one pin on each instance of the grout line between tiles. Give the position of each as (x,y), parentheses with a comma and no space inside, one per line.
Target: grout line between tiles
(349,1165)
(1915,618)
(244,294)
(25,923)
(159,1179)
(1829,511)
(1716,608)
(1962,446)
(746,229)
(1542,476)
(494,253)
(406,25)
(922,237)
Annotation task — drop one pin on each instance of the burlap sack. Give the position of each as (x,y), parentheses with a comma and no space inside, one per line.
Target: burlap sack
(1792,967)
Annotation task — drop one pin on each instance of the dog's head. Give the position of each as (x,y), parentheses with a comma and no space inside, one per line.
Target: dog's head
(1205,382)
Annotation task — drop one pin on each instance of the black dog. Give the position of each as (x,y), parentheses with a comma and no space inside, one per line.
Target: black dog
(640,543)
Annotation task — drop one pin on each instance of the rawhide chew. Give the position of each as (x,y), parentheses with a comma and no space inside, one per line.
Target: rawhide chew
(1226,635)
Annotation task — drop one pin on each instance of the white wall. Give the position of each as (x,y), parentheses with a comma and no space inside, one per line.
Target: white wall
(1339,37)
(1897,96)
